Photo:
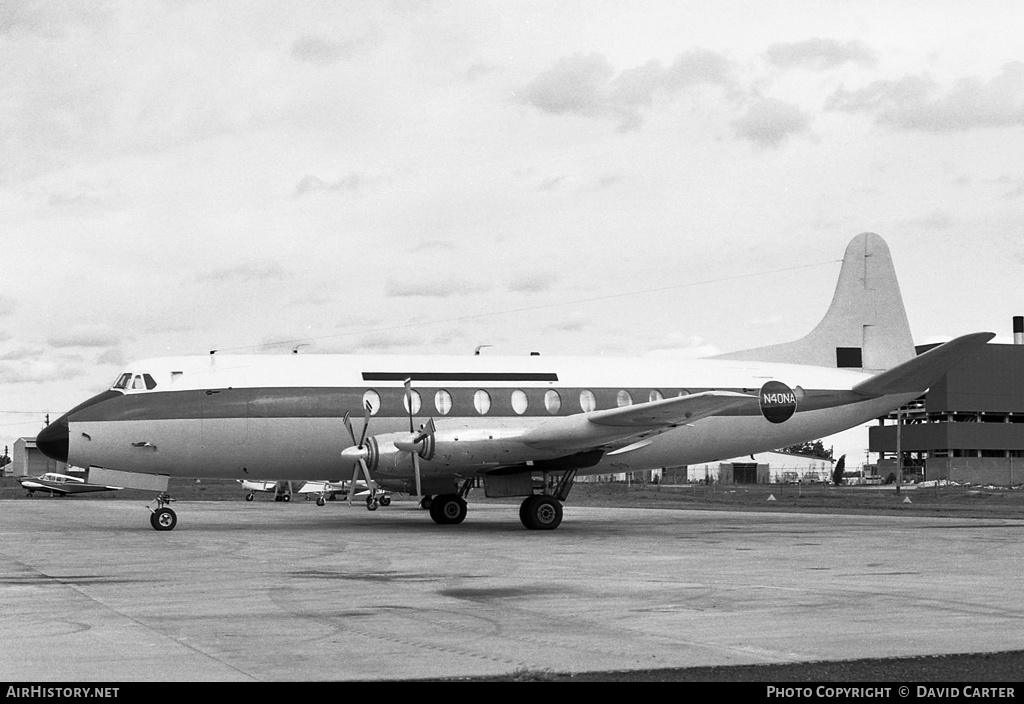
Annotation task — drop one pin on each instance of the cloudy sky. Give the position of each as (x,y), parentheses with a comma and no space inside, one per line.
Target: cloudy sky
(572,177)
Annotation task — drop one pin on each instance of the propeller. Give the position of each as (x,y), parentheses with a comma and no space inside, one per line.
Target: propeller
(413,447)
(359,452)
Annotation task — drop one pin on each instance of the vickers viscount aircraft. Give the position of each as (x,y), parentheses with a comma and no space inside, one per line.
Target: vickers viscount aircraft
(522,426)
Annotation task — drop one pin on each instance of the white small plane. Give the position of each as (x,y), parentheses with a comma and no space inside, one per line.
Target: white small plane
(520,426)
(58,484)
(324,491)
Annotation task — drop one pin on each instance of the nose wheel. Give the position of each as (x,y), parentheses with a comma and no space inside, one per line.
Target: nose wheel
(163,517)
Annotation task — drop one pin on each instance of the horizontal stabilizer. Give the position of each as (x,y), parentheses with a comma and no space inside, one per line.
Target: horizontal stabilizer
(921,372)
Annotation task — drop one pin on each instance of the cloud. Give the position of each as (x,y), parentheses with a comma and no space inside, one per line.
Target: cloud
(769,122)
(680,346)
(78,204)
(917,103)
(319,50)
(1016,192)
(935,220)
(313,184)
(85,337)
(45,18)
(26,371)
(819,54)
(535,282)
(586,85)
(576,85)
(20,353)
(441,288)
(435,246)
(551,183)
(249,271)
(7,305)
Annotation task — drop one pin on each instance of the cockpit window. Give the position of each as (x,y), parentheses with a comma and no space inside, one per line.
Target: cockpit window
(135,382)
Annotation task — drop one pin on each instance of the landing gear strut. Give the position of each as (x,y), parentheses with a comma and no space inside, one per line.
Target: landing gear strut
(162,517)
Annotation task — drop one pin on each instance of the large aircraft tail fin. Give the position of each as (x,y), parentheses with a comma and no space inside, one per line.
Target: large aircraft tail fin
(866,325)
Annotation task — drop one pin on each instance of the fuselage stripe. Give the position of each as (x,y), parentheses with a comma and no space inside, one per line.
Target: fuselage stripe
(460,376)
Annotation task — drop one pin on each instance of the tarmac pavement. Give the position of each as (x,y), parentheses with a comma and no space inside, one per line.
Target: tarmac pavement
(266,591)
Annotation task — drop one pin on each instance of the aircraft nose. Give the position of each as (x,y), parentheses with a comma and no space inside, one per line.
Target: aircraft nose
(52,440)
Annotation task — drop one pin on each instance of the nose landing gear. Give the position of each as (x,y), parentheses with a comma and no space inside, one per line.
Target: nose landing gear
(162,517)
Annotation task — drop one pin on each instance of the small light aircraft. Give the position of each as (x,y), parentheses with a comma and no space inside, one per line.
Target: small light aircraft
(324,491)
(520,426)
(58,484)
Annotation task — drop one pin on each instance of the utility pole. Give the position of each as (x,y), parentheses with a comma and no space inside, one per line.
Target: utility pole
(899,449)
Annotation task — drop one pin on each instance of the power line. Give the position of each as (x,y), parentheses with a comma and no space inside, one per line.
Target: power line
(541,306)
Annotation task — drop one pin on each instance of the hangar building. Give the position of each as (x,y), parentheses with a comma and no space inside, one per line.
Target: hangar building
(28,461)
(969,427)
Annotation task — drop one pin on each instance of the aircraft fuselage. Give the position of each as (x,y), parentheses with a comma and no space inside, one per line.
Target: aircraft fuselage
(280,417)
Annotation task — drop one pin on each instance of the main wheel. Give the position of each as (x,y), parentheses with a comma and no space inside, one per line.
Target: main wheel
(321,501)
(385,500)
(448,509)
(541,512)
(163,519)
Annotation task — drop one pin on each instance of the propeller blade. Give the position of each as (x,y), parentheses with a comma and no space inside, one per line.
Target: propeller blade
(352,486)
(348,424)
(408,401)
(427,431)
(416,469)
(370,484)
(366,423)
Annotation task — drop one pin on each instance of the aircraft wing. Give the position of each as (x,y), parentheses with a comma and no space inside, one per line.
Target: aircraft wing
(614,425)
(320,487)
(36,486)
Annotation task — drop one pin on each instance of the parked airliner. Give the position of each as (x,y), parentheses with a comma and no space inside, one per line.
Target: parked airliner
(521,426)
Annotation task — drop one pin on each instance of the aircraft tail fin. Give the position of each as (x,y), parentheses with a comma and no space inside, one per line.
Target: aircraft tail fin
(866,325)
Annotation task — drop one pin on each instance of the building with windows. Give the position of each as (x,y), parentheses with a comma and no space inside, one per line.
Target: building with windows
(969,427)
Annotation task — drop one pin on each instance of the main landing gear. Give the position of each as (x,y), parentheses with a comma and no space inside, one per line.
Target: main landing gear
(541,512)
(537,512)
(163,518)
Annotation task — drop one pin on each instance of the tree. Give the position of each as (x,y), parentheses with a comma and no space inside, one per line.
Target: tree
(809,449)
(837,473)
